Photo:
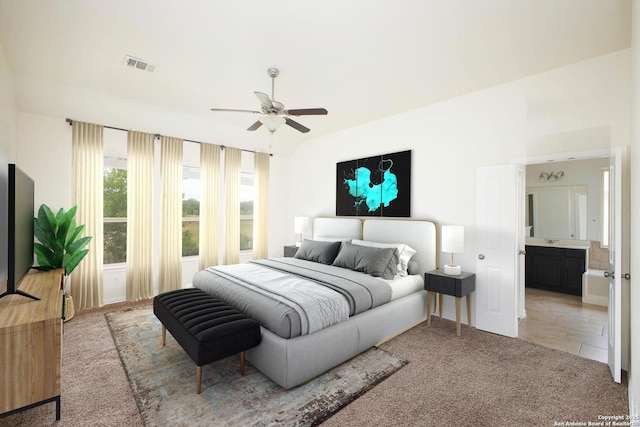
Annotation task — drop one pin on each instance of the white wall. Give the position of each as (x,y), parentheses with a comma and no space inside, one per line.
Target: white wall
(44,152)
(451,139)
(7,153)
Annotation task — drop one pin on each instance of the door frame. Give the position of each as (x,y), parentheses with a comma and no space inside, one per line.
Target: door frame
(535,160)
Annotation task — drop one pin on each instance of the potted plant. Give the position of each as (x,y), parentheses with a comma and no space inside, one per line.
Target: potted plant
(61,243)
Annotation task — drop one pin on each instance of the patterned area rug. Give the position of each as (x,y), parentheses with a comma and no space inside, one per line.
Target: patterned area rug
(164,384)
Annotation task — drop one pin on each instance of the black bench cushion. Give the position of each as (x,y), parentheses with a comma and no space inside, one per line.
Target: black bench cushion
(206,328)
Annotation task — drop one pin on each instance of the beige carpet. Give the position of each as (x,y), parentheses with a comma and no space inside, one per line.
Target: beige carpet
(482,379)
(95,389)
(478,379)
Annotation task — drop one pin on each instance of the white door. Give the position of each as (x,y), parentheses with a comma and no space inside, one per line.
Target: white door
(496,228)
(615,272)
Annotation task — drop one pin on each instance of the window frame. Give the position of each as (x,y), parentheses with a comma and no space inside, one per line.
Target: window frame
(604,207)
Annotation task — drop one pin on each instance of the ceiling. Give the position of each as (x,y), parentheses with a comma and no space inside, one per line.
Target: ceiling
(361,59)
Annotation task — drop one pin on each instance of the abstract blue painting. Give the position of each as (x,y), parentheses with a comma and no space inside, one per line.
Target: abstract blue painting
(375,186)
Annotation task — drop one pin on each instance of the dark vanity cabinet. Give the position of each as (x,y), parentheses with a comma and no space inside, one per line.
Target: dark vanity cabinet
(555,269)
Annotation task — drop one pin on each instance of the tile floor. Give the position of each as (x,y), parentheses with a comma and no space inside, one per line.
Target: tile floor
(562,322)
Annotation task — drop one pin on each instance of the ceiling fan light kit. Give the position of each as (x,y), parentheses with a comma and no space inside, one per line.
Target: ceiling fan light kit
(272,122)
(273,112)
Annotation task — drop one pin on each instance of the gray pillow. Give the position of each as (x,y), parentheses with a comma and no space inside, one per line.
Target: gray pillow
(378,262)
(322,252)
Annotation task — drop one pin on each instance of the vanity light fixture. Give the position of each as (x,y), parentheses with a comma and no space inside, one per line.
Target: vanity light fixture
(551,176)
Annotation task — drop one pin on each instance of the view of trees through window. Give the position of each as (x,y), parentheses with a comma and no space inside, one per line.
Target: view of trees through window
(115,214)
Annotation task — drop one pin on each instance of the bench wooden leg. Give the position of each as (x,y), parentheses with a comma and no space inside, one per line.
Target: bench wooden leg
(198,378)
(164,335)
(242,363)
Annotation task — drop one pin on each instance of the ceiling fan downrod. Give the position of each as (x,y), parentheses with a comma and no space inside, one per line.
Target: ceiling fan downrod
(273,73)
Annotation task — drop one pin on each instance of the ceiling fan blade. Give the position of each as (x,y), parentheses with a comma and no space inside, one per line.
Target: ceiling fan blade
(255,126)
(296,125)
(264,99)
(307,112)
(235,111)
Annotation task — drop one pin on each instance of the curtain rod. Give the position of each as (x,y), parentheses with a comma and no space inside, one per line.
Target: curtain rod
(157,135)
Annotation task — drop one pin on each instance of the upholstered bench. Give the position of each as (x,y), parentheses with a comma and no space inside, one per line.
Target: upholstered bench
(205,327)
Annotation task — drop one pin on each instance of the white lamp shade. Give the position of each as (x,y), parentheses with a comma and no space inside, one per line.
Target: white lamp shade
(272,122)
(300,224)
(453,238)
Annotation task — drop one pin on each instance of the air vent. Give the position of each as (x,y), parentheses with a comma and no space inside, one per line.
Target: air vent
(132,62)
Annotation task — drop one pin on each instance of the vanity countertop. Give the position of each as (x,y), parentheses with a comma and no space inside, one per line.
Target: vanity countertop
(558,243)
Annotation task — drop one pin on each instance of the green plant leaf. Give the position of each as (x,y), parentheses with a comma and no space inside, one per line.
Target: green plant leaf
(46,220)
(75,260)
(67,216)
(78,244)
(39,233)
(44,255)
(59,215)
(60,239)
(61,234)
(79,229)
(71,231)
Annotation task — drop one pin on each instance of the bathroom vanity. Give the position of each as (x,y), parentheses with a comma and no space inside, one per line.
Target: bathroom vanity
(556,265)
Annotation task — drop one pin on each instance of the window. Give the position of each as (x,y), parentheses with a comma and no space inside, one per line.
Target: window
(190,211)
(115,210)
(246,211)
(604,213)
(115,200)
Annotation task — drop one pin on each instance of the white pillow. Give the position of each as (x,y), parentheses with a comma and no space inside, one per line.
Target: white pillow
(405,252)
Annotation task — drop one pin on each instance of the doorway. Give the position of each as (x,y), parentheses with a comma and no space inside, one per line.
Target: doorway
(563,204)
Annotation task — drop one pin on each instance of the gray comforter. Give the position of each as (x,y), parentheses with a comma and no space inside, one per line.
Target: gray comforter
(260,292)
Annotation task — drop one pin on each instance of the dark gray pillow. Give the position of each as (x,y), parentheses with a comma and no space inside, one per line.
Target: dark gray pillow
(322,252)
(378,262)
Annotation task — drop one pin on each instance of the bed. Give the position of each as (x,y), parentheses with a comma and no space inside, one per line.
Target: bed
(292,355)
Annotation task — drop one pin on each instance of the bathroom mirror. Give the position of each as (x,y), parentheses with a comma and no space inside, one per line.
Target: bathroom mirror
(558,212)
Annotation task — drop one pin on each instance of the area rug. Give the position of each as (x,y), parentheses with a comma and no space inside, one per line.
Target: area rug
(164,383)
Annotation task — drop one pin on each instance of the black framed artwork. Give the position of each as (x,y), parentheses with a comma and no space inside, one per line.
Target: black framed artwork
(375,186)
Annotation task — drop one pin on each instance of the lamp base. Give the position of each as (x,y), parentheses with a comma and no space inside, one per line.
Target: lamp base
(298,243)
(452,270)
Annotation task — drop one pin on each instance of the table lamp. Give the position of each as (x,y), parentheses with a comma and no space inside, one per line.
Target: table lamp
(299,226)
(452,242)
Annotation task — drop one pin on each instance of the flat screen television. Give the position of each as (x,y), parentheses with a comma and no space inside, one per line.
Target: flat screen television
(20,204)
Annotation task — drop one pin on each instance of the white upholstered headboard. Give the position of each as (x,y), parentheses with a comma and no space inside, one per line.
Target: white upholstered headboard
(337,228)
(421,235)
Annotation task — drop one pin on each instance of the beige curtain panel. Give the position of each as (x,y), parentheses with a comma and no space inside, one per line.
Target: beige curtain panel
(209,205)
(171,214)
(232,161)
(261,206)
(139,215)
(88,161)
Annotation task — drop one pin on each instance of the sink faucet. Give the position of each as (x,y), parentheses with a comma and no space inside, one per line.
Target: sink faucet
(551,241)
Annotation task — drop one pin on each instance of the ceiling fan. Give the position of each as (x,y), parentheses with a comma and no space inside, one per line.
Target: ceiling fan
(273,112)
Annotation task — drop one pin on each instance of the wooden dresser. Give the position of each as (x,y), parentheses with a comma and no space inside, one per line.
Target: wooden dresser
(31,344)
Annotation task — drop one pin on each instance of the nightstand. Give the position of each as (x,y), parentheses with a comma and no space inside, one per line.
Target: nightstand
(443,284)
(290,250)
